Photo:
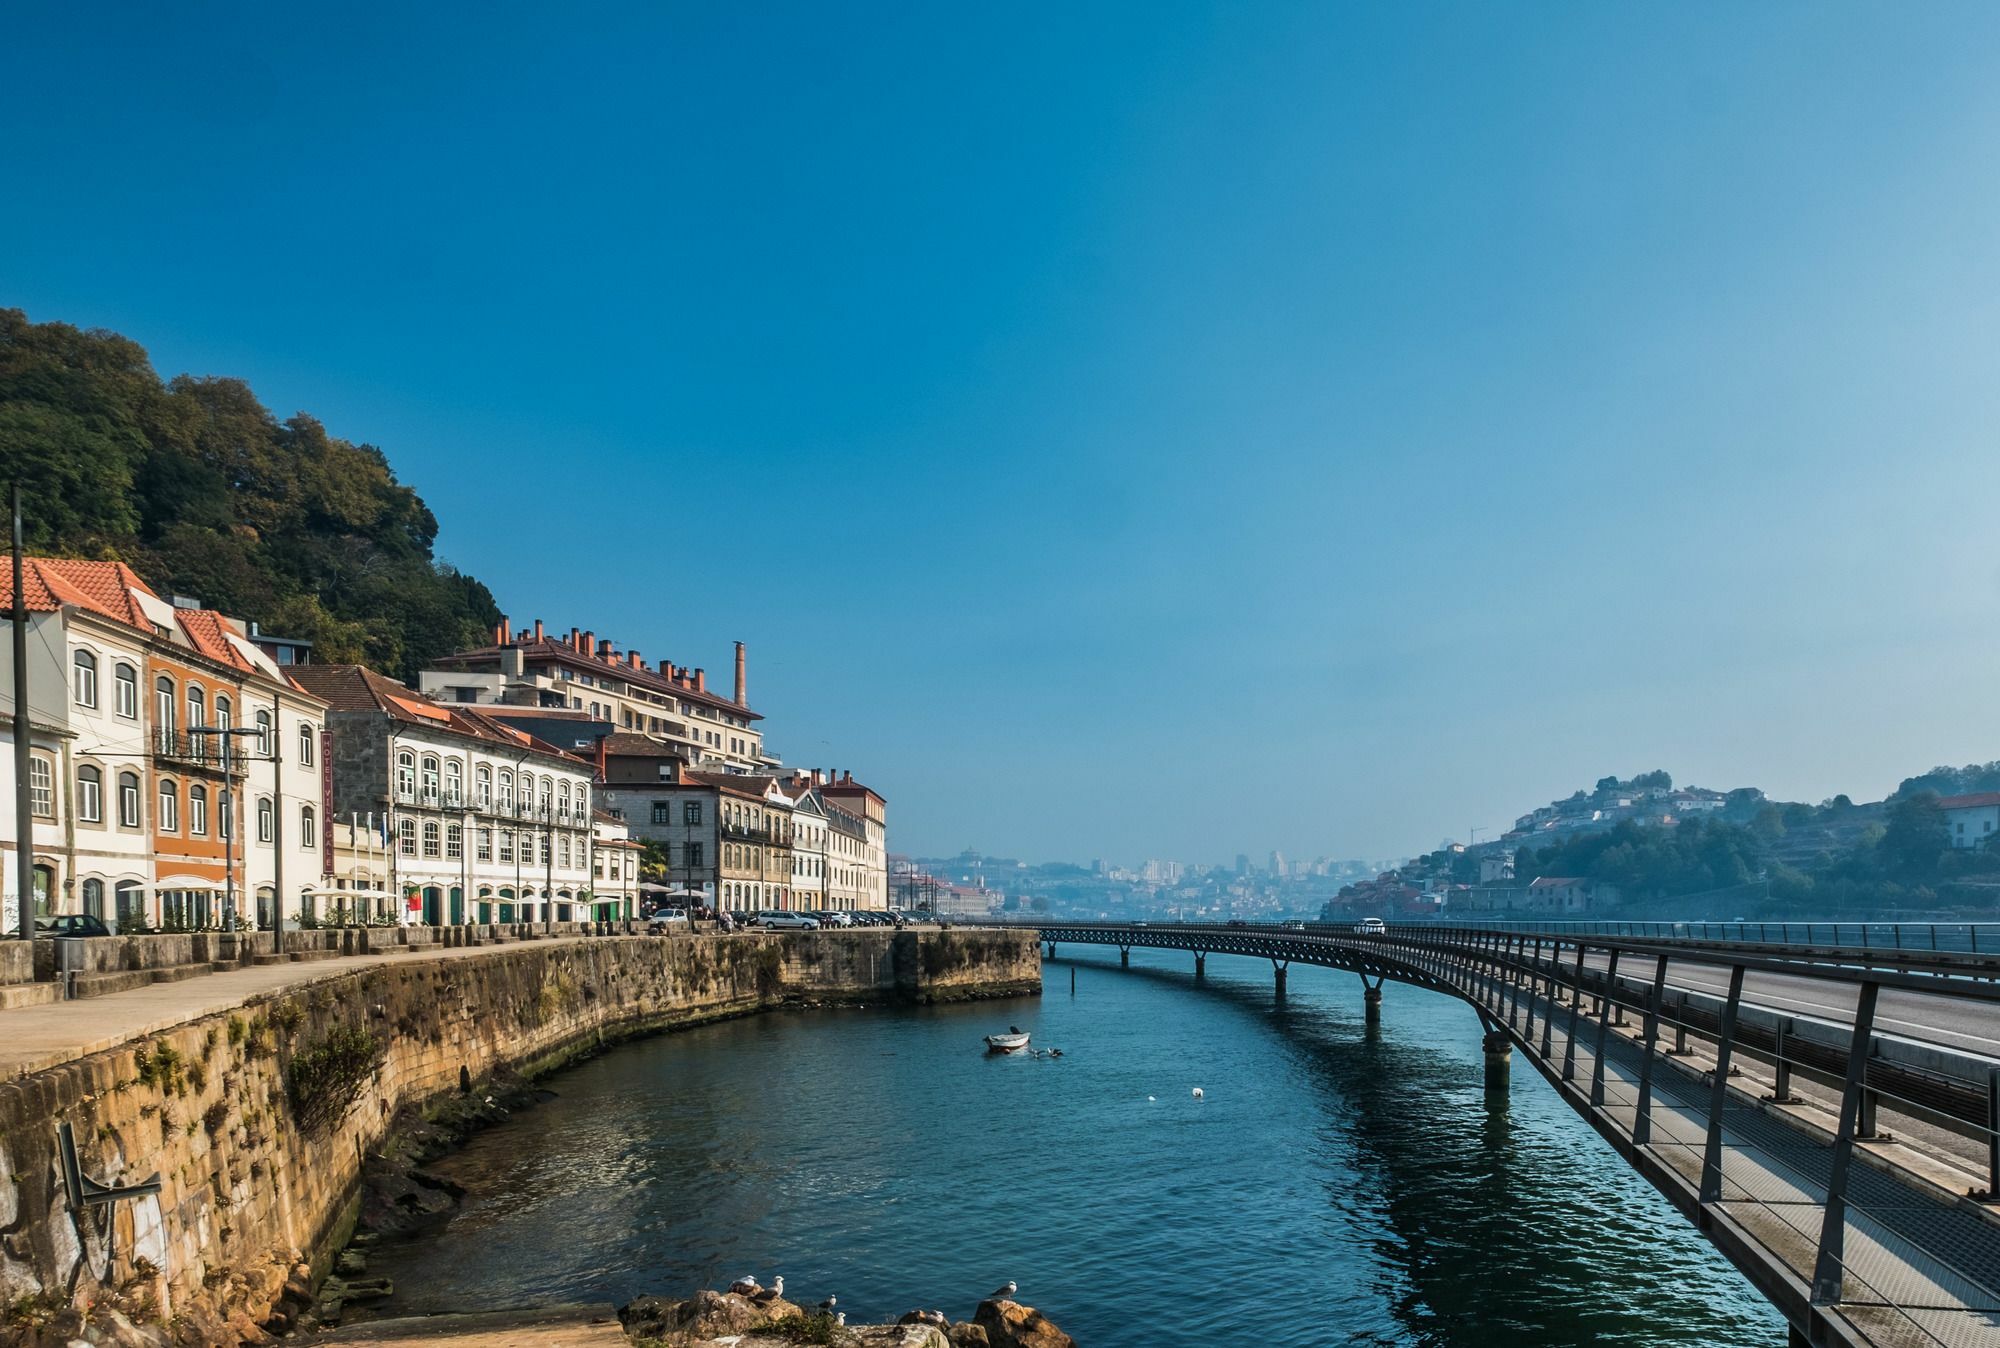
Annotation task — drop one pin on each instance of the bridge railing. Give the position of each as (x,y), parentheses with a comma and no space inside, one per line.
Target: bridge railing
(1951,937)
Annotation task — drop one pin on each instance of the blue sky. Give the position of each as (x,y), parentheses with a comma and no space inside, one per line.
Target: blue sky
(1123,430)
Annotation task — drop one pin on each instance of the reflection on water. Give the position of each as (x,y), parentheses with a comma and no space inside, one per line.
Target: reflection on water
(1334,1186)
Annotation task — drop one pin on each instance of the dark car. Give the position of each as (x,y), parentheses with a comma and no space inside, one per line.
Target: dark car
(72,924)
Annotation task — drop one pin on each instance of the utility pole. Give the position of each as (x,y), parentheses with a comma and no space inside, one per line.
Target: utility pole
(24,810)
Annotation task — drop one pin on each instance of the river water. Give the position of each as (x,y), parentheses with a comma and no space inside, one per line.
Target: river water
(1332,1186)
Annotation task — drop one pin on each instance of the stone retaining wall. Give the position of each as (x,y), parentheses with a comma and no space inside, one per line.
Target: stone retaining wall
(256,1120)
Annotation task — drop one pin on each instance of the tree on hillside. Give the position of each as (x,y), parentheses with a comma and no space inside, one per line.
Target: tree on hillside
(197,485)
(1950,781)
(1913,838)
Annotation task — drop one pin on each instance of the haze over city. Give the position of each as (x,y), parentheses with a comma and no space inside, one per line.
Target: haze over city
(1295,427)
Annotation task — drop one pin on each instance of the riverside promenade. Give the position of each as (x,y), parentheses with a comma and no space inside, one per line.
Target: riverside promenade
(35,1038)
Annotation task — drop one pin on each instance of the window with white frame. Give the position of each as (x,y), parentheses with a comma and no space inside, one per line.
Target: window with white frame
(170,806)
(308,828)
(482,787)
(128,800)
(267,819)
(454,841)
(306,743)
(198,810)
(430,837)
(41,788)
(84,667)
(90,794)
(264,733)
(430,781)
(125,691)
(454,783)
(483,844)
(406,775)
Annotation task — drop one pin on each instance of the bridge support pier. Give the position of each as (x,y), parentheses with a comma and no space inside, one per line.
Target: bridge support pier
(1124,956)
(1200,965)
(1371,1001)
(1278,968)
(1499,1054)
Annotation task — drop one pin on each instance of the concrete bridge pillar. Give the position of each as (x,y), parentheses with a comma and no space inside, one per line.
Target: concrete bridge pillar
(1371,1005)
(1278,973)
(1200,964)
(1499,1054)
(1124,956)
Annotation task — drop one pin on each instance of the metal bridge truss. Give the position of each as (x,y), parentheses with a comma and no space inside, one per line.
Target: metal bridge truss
(1855,1238)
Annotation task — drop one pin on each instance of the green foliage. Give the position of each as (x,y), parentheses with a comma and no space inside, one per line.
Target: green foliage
(1950,781)
(325,1077)
(816,1327)
(162,1066)
(203,491)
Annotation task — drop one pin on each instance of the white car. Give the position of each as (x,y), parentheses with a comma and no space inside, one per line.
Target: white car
(668,920)
(787,922)
(1371,926)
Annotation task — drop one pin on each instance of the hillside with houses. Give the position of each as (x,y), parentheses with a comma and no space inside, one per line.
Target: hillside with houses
(1645,848)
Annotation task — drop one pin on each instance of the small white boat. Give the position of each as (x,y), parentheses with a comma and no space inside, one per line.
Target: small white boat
(1011,1042)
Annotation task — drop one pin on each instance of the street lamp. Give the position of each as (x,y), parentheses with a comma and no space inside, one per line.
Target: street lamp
(228,735)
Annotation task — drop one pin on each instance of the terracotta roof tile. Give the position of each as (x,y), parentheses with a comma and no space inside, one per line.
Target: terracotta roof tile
(104,588)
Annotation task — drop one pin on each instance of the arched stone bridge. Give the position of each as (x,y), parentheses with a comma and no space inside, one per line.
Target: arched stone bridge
(1827,1114)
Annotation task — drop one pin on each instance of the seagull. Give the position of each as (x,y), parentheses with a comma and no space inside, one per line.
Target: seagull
(1005,1289)
(1197,1093)
(747,1287)
(840,1317)
(778,1283)
(1149,1098)
(827,1305)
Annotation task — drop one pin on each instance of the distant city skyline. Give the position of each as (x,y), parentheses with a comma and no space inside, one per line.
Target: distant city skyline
(1135,431)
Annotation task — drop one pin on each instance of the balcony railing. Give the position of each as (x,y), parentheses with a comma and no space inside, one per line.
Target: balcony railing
(202,751)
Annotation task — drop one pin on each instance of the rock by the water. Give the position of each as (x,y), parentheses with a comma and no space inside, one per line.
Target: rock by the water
(1009,1324)
(705,1315)
(969,1335)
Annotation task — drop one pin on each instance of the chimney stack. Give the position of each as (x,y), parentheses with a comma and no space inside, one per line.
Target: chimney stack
(604,651)
(574,637)
(701,680)
(504,633)
(632,659)
(742,691)
(667,670)
(538,629)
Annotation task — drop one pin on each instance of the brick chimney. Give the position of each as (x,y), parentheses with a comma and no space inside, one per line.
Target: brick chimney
(604,651)
(538,629)
(632,659)
(742,689)
(574,637)
(504,633)
(701,680)
(667,670)
(589,644)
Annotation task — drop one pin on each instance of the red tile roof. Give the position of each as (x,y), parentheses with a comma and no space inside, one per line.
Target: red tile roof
(104,588)
(357,688)
(1976,801)
(560,651)
(208,632)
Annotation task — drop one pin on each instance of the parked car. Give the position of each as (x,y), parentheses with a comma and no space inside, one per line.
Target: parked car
(787,922)
(835,917)
(668,921)
(1371,926)
(72,924)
